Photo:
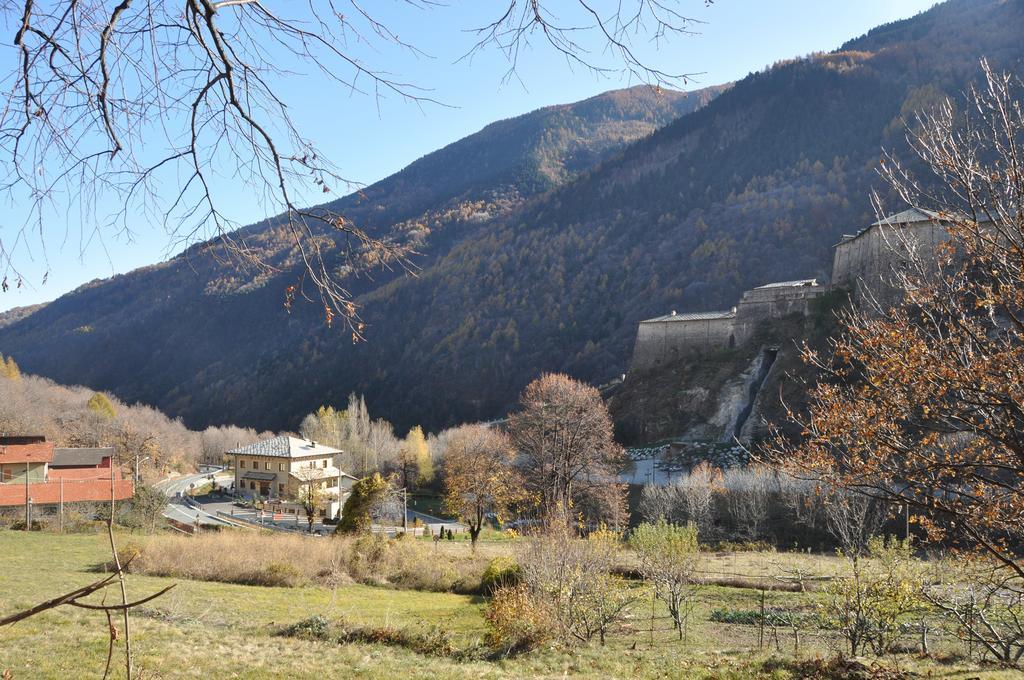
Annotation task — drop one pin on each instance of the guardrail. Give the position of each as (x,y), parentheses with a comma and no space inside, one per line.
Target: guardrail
(232,519)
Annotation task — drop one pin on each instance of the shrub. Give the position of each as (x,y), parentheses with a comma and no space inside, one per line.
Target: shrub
(250,558)
(516,620)
(280,574)
(429,641)
(501,572)
(868,604)
(129,552)
(772,616)
(314,628)
(741,546)
(669,558)
(365,495)
(20,525)
(573,577)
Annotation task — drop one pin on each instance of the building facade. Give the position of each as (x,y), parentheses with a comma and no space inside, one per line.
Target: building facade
(32,470)
(866,262)
(275,470)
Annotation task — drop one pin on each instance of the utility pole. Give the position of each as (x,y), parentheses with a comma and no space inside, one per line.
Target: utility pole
(61,506)
(405,510)
(28,502)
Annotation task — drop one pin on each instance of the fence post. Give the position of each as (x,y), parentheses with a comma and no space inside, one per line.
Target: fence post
(760,630)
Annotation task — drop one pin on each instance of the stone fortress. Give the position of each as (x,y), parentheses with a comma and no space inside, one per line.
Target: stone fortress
(863,261)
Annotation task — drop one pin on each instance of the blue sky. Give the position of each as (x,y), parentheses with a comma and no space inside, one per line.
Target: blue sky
(369,140)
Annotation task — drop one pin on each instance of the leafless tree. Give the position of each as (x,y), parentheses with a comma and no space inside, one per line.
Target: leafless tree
(570,457)
(151,105)
(852,518)
(573,577)
(748,493)
(311,492)
(689,499)
(985,602)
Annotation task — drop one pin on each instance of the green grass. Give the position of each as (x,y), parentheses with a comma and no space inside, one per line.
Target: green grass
(205,629)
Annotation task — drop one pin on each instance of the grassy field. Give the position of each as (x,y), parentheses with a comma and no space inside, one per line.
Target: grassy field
(209,629)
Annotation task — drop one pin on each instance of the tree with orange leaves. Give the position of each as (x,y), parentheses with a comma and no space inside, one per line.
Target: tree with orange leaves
(480,476)
(921,403)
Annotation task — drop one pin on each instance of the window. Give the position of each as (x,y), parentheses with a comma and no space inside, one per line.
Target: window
(280,467)
(280,489)
(241,463)
(252,485)
(325,463)
(266,466)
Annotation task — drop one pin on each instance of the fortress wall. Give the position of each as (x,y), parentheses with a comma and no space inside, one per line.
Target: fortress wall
(660,341)
(772,303)
(846,263)
(862,263)
(868,261)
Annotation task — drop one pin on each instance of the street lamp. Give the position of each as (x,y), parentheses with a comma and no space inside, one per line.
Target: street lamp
(137,461)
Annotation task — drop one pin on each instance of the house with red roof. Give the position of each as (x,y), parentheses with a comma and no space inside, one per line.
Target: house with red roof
(32,469)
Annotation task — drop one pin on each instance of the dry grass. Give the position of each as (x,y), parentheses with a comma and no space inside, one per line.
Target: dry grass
(209,629)
(291,560)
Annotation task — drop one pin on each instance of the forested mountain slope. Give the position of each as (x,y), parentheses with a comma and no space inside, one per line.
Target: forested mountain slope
(537,268)
(207,341)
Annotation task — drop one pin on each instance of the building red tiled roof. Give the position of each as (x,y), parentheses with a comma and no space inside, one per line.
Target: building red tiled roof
(36,452)
(75,491)
(82,473)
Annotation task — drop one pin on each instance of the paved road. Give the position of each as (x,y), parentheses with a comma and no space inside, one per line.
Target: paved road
(187,512)
(178,509)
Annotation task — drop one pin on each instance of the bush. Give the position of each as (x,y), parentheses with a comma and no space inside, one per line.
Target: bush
(280,574)
(740,546)
(314,628)
(128,552)
(364,496)
(20,525)
(517,621)
(429,641)
(501,572)
(869,603)
(669,560)
(572,577)
(772,617)
(277,559)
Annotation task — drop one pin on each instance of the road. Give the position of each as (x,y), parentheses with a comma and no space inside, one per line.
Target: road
(177,509)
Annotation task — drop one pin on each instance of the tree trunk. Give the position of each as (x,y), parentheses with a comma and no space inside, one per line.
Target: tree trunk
(474,533)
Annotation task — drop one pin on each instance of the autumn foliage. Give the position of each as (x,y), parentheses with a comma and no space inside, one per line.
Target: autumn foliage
(922,403)
(571,460)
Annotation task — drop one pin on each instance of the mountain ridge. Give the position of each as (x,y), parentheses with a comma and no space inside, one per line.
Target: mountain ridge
(755,186)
